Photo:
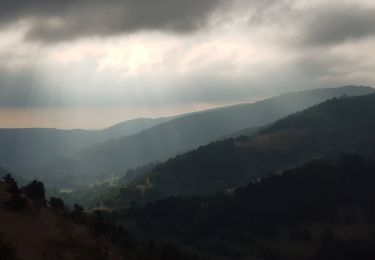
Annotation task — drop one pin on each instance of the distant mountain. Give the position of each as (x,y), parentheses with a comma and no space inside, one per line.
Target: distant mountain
(20,148)
(336,126)
(182,134)
(131,127)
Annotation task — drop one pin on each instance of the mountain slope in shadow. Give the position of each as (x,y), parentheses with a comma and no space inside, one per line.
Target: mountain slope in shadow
(182,134)
(321,210)
(340,125)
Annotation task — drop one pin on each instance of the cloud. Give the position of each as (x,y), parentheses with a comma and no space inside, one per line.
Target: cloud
(318,23)
(348,63)
(247,49)
(331,25)
(311,24)
(56,20)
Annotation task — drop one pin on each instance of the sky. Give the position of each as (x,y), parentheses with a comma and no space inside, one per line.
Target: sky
(93,63)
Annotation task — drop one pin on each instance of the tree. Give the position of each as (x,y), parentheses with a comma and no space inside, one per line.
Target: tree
(35,190)
(77,212)
(15,202)
(12,185)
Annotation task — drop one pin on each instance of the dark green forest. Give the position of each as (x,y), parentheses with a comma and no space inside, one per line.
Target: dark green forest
(319,210)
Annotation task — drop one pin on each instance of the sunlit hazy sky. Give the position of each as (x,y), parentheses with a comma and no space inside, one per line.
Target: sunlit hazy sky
(93,63)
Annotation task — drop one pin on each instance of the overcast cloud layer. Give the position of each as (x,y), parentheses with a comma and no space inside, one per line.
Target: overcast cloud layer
(56,20)
(147,55)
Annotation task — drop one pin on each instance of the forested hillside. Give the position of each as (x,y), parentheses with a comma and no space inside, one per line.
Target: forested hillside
(179,135)
(340,125)
(321,210)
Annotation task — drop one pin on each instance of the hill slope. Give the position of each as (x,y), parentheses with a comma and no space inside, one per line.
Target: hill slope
(320,210)
(39,232)
(31,229)
(185,133)
(344,125)
(131,127)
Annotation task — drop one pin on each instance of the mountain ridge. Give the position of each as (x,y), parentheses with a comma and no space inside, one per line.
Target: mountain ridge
(33,146)
(290,141)
(181,134)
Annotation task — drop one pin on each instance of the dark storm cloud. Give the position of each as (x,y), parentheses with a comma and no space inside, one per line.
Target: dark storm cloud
(62,20)
(318,28)
(56,20)
(334,25)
